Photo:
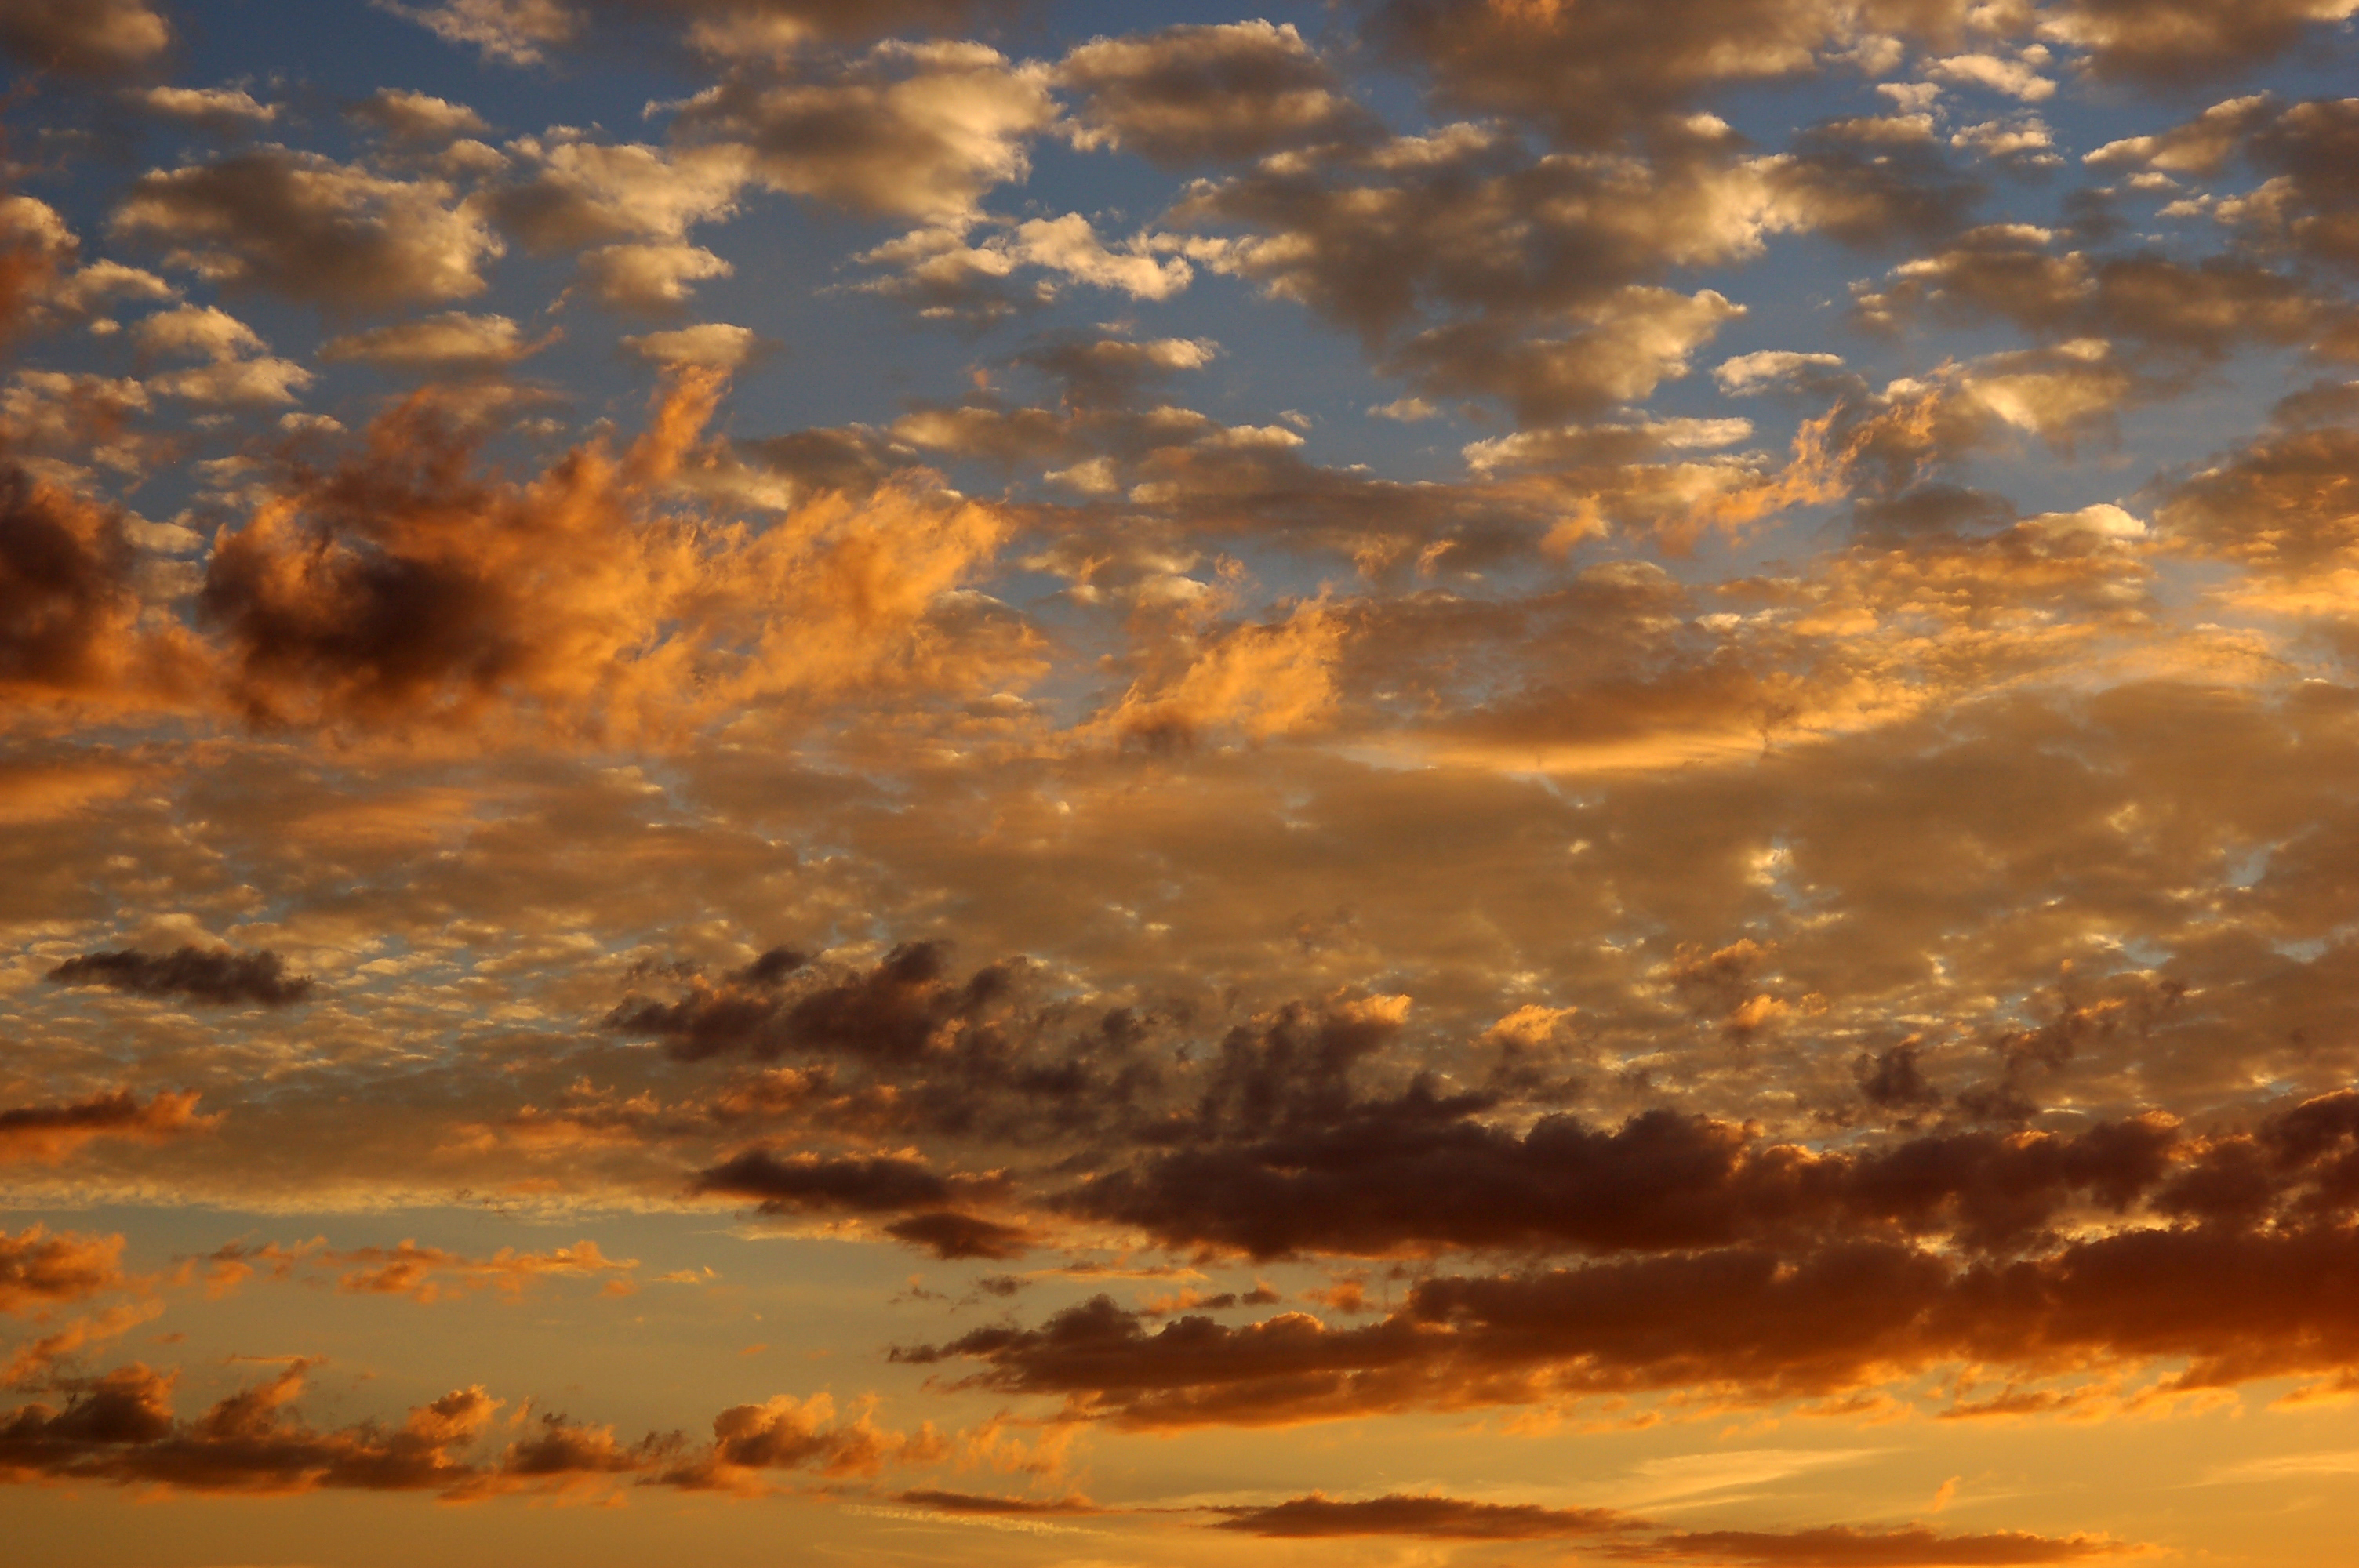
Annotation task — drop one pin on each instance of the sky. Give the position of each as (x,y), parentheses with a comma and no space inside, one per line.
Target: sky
(1424,784)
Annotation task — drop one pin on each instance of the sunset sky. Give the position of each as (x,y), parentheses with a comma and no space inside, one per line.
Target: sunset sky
(1442,783)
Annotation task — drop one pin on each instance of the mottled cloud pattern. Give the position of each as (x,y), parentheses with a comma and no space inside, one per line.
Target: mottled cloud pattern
(1453,781)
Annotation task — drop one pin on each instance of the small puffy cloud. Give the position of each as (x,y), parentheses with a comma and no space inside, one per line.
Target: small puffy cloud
(264,380)
(2102,521)
(309,228)
(649,278)
(2014,77)
(88,37)
(2025,141)
(1747,374)
(453,338)
(214,108)
(919,130)
(950,271)
(229,377)
(580,192)
(1071,245)
(201,330)
(714,345)
(1619,352)
(408,116)
(1226,93)
(2200,145)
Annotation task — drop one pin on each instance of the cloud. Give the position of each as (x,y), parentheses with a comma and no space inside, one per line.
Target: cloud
(784,1434)
(40,1269)
(2188,41)
(517,32)
(228,109)
(2015,78)
(1467,266)
(1222,93)
(1258,681)
(424,1274)
(71,627)
(1748,374)
(408,116)
(2205,312)
(2200,145)
(951,1236)
(452,337)
(1014,1508)
(654,279)
(1421,1174)
(305,226)
(2306,203)
(1752,1325)
(713,344)
(1843,1546)
(1319,1517)
(1590,73)
(523,32)
(219,977)
(398,589)
(1624,348)
(583,192)
(85,38)
(230,376)
(805,1183)
(49,1132)
(902,1007)
(915,130)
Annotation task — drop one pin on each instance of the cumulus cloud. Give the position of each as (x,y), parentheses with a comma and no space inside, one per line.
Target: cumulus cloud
(1224,93)
(39,1269)
(421,117)
(305,226)
(713,344)
(85,37)
(579,191)
(219,976)
(653,279)
(915,130)
(211,108)
(2183,40)
(70,626)
(1591,72)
